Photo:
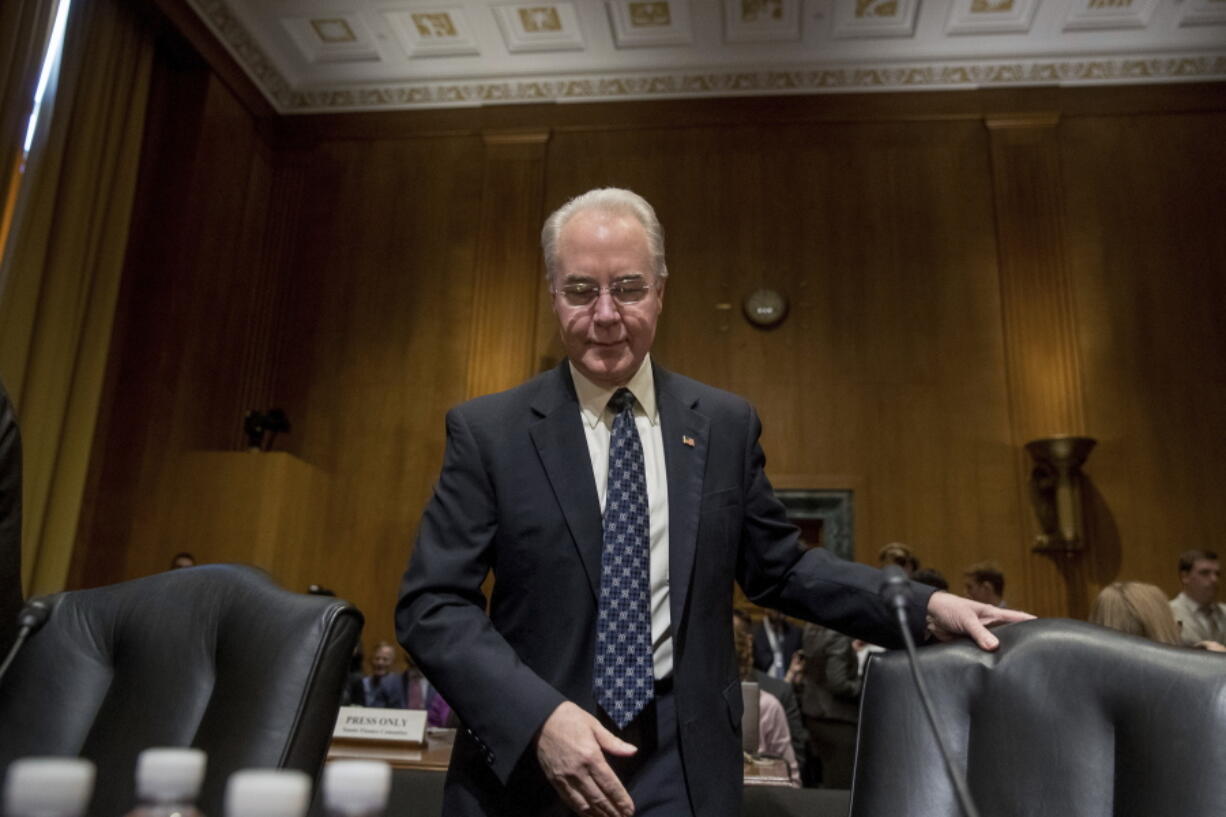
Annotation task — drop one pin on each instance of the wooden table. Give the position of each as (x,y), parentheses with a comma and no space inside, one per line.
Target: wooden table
(436,754)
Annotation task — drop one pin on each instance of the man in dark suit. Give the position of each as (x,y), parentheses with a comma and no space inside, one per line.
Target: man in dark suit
(383,688)
(615,503)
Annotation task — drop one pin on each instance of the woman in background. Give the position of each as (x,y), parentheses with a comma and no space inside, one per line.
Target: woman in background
(1141,609)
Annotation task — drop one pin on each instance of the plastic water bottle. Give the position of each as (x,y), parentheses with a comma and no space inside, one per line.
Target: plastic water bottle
(168,782)
(48,787)
(268,793)
(356,788)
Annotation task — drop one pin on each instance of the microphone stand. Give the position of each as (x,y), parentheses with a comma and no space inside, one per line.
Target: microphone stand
(896,591)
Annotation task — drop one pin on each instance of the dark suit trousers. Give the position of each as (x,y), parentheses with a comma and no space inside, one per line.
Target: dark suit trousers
(654,775)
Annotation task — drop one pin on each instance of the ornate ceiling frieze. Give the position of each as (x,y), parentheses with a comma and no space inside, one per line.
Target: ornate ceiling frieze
(312,56)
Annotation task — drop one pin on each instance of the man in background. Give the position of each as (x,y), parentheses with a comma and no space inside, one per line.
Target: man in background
(381,688)
(182,560)
(830,700)
(1196,609)
(775,641)
(985,583)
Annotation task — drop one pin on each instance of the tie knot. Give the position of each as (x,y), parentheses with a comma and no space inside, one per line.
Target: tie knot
(621,400)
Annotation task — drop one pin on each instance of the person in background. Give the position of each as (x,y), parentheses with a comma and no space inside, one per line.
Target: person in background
(896,553)
(382,688)
(182,560)
(781,689)
(1201,617)
(931,577)
(774,736)
(1136,608)
(775,641)
(830,700)
(985,583)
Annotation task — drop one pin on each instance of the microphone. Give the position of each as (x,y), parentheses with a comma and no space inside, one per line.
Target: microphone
(29,621)
(895,589)
(896,592)
(33,616)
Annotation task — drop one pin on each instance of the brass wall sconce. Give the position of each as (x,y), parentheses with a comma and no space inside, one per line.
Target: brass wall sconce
(1056,491)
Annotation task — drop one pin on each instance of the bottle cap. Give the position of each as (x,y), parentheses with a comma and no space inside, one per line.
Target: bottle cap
(356,786)
(268,793)
(48,787)
(169,775)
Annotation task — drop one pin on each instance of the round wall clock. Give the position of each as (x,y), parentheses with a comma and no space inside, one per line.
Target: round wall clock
(765,307)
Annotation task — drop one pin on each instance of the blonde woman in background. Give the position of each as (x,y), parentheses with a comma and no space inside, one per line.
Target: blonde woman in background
(1140,609)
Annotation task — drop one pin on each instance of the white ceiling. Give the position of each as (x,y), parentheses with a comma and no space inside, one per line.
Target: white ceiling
(310,56)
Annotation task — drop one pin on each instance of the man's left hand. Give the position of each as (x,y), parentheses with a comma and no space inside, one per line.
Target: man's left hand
(950,616)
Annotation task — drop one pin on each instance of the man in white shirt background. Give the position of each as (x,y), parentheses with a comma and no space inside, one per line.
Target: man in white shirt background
(1200,616)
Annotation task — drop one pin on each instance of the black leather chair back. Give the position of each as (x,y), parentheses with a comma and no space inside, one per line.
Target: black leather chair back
(10,523)
(218,657)
(1066,719)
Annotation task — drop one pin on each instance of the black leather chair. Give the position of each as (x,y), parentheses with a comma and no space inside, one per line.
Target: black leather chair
(218,657)
(10,522)
(1066,719)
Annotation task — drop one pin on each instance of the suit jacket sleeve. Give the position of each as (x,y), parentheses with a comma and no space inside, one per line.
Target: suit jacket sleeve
(814,585)
(441,619)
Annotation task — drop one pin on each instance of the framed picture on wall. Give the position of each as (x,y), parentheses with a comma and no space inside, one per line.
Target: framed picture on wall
(825,518)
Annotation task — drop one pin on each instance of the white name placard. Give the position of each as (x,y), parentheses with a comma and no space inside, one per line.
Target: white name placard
(386,725)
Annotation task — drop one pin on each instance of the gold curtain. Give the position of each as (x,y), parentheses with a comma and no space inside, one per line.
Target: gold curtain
(24,29)
(59,303)
(23,32)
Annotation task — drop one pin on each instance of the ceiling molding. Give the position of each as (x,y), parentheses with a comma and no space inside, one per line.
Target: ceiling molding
(574,54)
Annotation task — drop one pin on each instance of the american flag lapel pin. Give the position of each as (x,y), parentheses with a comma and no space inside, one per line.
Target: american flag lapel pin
(687,440)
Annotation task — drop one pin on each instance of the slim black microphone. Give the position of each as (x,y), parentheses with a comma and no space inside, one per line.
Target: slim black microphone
(29,621)
(896,591)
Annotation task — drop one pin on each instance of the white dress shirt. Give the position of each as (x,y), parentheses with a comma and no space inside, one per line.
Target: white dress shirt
(598,427)
(1198,623)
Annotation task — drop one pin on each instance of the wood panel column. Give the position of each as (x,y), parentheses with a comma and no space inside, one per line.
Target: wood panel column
(1043,371)
(509,275)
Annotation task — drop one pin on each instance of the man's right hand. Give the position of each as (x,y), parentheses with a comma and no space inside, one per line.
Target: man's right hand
(571,748)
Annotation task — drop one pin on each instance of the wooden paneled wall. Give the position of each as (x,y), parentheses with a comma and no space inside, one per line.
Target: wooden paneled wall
(965,271)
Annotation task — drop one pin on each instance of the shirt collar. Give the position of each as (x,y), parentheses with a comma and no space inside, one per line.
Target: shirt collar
(594,399)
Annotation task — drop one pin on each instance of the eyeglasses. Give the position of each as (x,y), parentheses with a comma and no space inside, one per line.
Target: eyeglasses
(585,294)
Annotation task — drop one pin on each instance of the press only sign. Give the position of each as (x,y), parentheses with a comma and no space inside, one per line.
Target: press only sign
(383,725)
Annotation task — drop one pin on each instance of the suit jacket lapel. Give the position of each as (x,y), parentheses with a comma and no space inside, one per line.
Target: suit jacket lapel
(562,447)
(685,434)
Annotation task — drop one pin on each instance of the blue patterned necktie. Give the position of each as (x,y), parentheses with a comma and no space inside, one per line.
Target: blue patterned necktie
(624,672)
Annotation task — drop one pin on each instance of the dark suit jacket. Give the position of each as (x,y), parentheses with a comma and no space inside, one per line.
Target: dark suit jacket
(516,496)
(832,676)
(762,656)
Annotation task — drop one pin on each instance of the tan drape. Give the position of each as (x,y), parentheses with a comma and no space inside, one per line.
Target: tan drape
(58,307)
(23,30)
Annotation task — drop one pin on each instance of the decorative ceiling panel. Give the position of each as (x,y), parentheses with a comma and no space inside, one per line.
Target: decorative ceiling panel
(434,31)
(310,56)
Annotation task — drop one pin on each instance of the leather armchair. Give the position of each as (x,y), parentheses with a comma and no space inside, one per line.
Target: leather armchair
(10,522)
(1066,719)
(218,657)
